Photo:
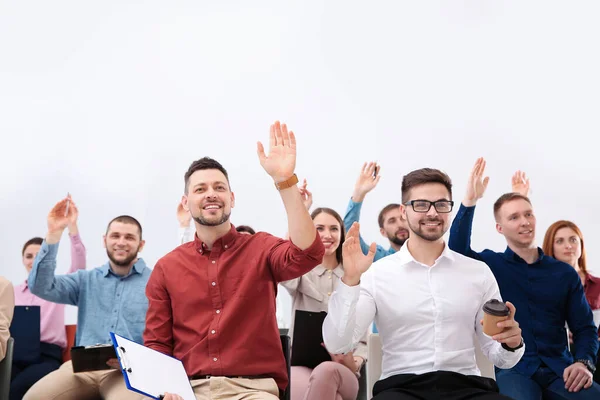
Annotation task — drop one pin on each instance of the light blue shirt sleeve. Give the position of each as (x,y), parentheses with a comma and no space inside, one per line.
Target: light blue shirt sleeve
(43,283)
(353,215)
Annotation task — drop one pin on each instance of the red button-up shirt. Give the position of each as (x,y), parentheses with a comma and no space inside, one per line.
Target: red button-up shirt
(592,291)
(215,309)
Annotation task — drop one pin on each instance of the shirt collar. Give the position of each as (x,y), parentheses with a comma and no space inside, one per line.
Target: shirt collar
(138,268)
(224,241)
(23,286)
(406,258)
(512,256)
(338,271)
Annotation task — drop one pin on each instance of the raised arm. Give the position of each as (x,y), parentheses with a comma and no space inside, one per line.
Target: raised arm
(280,164)
(7,308)
(351,308)
(460,232)
(367,180)
(186,232)
(78,252)
(158,333)
(42,281)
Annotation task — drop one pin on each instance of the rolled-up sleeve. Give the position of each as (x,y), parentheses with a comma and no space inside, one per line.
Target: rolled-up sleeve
(287,261)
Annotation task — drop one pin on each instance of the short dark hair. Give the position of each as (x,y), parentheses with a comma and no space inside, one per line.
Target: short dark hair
(385,210)
(126,219)
(201,164)
(334,214)
(245,228)
(36,240)
(423,176)
(505,198)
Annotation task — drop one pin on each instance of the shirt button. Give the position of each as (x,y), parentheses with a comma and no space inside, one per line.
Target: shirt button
(328,293)
(214,284)
(218,311)
(213,331)
(215,359)
(214,261)
(225,246)
(330,277)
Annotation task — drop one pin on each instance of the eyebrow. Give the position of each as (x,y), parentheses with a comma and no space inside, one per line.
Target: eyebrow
(206,184)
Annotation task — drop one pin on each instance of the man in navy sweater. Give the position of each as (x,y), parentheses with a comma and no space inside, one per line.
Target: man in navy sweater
(547,294)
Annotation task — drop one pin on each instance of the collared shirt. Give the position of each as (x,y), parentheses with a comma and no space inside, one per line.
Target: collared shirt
(7,308)
(353,215)
(215,309)
(311,292)
(428,317)
(592,291)
(546,294)
(106,302)
(52,315)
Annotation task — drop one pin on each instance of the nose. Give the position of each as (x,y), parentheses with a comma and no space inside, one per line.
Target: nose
(432,212)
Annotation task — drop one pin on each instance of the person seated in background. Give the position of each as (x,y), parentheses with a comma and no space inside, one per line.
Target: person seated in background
(427,301)
(547,291)
(391,224)
(109,298)
(564,241)
(212,301)
(53,336)
(336,379)
(245,229)
(7,308)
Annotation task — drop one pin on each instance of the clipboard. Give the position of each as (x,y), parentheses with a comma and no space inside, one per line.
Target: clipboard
(25,329)
(92,358)
(307,350)
(150,372)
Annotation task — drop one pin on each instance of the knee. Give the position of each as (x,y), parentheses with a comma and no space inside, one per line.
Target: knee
(327,371)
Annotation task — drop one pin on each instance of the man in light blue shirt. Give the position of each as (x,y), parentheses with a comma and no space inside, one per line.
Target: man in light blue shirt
(110,298)
(391,225)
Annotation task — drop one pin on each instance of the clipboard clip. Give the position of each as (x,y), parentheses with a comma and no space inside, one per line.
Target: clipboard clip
(124,362)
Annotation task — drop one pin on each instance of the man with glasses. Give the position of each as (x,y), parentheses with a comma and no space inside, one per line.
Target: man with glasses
(548,293)
(427,302)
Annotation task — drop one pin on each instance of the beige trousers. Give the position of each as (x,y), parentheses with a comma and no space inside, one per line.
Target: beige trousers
(63,384)
(221,388)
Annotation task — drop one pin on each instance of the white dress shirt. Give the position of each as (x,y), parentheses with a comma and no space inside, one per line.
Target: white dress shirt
(427,317)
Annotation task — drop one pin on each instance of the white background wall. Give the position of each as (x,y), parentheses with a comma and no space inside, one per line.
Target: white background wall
(112,100)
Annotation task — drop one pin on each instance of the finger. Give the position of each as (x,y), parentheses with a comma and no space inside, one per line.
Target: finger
(512,309)
(370,169)
(570,378)
(481,321)
(507,335)
(588,383)
(364,168)
(474,169)
(483,165)
(285,136)
(260,150)
(308,193)
(278,139)
(372,250)
(509,323)
(292,143)
(578,382)
(377,179)
(485,182)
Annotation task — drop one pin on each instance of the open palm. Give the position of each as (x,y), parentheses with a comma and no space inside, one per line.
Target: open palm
(60,215)
(520,183)
(354,261)
(477,184)
(280,163)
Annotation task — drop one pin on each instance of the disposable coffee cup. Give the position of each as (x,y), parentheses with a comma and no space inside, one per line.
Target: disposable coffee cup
(494,311)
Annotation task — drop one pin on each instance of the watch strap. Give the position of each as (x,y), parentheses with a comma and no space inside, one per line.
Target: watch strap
(287,183)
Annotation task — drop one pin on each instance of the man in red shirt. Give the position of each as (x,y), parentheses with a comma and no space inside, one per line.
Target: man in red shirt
(212,300)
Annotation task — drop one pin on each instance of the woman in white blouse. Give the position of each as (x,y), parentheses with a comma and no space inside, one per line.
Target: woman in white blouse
(336,379)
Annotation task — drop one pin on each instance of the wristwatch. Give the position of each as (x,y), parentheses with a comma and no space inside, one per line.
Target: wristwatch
(287,183)
(588,364)
(512,349)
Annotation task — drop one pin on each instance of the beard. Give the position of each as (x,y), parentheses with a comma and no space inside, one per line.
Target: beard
(419,230)
(395,239)
(206,222)
(123,263)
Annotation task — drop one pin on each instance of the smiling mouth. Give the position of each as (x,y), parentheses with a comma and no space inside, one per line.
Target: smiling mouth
(212,207)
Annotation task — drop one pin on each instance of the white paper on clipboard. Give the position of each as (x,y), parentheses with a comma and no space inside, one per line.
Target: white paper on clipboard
(150,372)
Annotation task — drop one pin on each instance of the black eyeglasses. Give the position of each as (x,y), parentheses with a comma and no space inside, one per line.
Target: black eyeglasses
(423,206)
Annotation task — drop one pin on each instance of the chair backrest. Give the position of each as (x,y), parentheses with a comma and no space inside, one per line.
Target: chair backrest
(375,358)
(71,330)
(287,349)
(6,369)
